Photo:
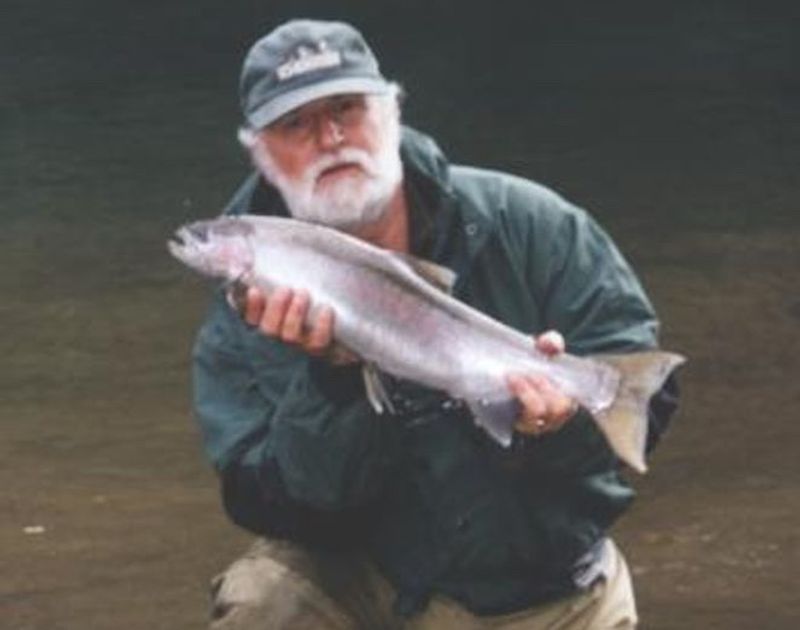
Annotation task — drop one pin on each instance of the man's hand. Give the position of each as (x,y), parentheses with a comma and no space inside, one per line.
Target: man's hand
(544,407)
(284,314)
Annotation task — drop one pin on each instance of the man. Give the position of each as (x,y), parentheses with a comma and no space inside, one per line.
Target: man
(414,518)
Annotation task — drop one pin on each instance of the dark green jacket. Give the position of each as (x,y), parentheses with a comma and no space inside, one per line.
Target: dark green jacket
(436,503)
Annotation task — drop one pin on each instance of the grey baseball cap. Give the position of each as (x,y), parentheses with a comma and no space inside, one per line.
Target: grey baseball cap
(303,60)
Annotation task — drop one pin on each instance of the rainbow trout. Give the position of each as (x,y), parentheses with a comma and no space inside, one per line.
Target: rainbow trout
(392,311)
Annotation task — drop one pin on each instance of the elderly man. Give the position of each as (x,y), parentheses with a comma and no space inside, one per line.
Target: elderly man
(413,518)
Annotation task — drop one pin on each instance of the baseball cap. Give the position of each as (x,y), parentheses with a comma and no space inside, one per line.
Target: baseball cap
(303,60)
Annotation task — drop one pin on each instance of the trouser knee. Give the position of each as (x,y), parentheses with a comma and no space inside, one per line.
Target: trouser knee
(274,587)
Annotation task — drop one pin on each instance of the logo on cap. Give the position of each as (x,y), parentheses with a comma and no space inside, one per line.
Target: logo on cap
(307,58)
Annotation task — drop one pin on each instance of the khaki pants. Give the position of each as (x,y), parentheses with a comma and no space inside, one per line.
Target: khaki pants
(279,586)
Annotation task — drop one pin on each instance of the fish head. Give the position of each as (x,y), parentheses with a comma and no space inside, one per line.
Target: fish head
(219,248)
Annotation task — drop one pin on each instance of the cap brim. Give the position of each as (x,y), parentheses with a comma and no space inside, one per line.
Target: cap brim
(284,103)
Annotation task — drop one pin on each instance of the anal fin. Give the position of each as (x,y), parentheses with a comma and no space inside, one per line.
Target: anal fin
(497,417)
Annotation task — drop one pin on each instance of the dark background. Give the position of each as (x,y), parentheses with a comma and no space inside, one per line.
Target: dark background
(676,124)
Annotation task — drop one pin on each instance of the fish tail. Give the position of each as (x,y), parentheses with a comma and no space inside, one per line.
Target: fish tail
(625,422)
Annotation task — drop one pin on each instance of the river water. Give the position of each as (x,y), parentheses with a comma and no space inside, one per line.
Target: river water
(678,129)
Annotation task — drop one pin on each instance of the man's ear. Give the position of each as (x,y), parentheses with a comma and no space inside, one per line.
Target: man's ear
(247,137)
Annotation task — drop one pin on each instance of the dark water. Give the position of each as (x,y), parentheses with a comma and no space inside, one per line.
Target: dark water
(678,127)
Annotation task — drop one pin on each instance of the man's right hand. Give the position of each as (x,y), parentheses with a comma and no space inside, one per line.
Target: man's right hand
(285,314)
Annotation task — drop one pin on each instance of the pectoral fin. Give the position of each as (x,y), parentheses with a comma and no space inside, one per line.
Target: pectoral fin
(236,295)
(625,423)
(376,392)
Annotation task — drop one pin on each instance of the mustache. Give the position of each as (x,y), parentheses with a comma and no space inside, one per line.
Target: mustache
(347,155)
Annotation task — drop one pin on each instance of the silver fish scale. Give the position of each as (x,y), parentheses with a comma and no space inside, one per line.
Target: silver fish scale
(389,315)
(375,307)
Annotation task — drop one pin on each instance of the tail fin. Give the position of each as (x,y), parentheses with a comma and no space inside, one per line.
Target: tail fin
(625,423)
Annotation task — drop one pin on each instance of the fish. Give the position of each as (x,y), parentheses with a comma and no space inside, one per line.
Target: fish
(397,313)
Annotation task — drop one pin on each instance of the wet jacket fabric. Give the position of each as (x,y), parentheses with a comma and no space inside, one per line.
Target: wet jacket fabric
(436,503)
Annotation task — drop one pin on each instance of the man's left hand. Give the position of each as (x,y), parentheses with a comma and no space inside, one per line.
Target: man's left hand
(545,408)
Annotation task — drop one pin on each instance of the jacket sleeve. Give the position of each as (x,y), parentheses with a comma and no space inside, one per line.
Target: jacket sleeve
(591,295)
(297,446)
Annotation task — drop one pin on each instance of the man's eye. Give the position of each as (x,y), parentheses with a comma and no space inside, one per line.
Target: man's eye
(348,110)
(293,123)
(345,105)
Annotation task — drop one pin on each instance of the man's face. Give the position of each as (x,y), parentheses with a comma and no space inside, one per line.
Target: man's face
(336,160)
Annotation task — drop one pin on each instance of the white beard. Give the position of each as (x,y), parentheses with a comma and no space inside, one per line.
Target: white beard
(349,200)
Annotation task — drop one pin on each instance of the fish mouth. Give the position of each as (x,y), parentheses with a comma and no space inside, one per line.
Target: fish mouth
(218,247)
(190,235)
(183,242)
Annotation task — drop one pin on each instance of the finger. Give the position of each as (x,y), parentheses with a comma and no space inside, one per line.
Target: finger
(526,389)
(560,407)
(295,318)
(274,312)
(544,407)
(531,426)
(550,343)
(321,335)
(254,304)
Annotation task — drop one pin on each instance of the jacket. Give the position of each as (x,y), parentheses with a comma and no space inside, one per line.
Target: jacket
(434,502)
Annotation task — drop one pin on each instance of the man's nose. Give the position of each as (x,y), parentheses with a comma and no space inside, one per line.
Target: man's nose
(329,132)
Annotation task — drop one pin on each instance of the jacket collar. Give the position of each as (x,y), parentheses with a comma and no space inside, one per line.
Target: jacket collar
(430,173)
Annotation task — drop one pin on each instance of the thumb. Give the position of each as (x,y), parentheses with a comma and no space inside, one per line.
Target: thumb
(550,343)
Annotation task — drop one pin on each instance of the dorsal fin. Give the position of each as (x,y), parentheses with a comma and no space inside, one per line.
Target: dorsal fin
(439,276)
